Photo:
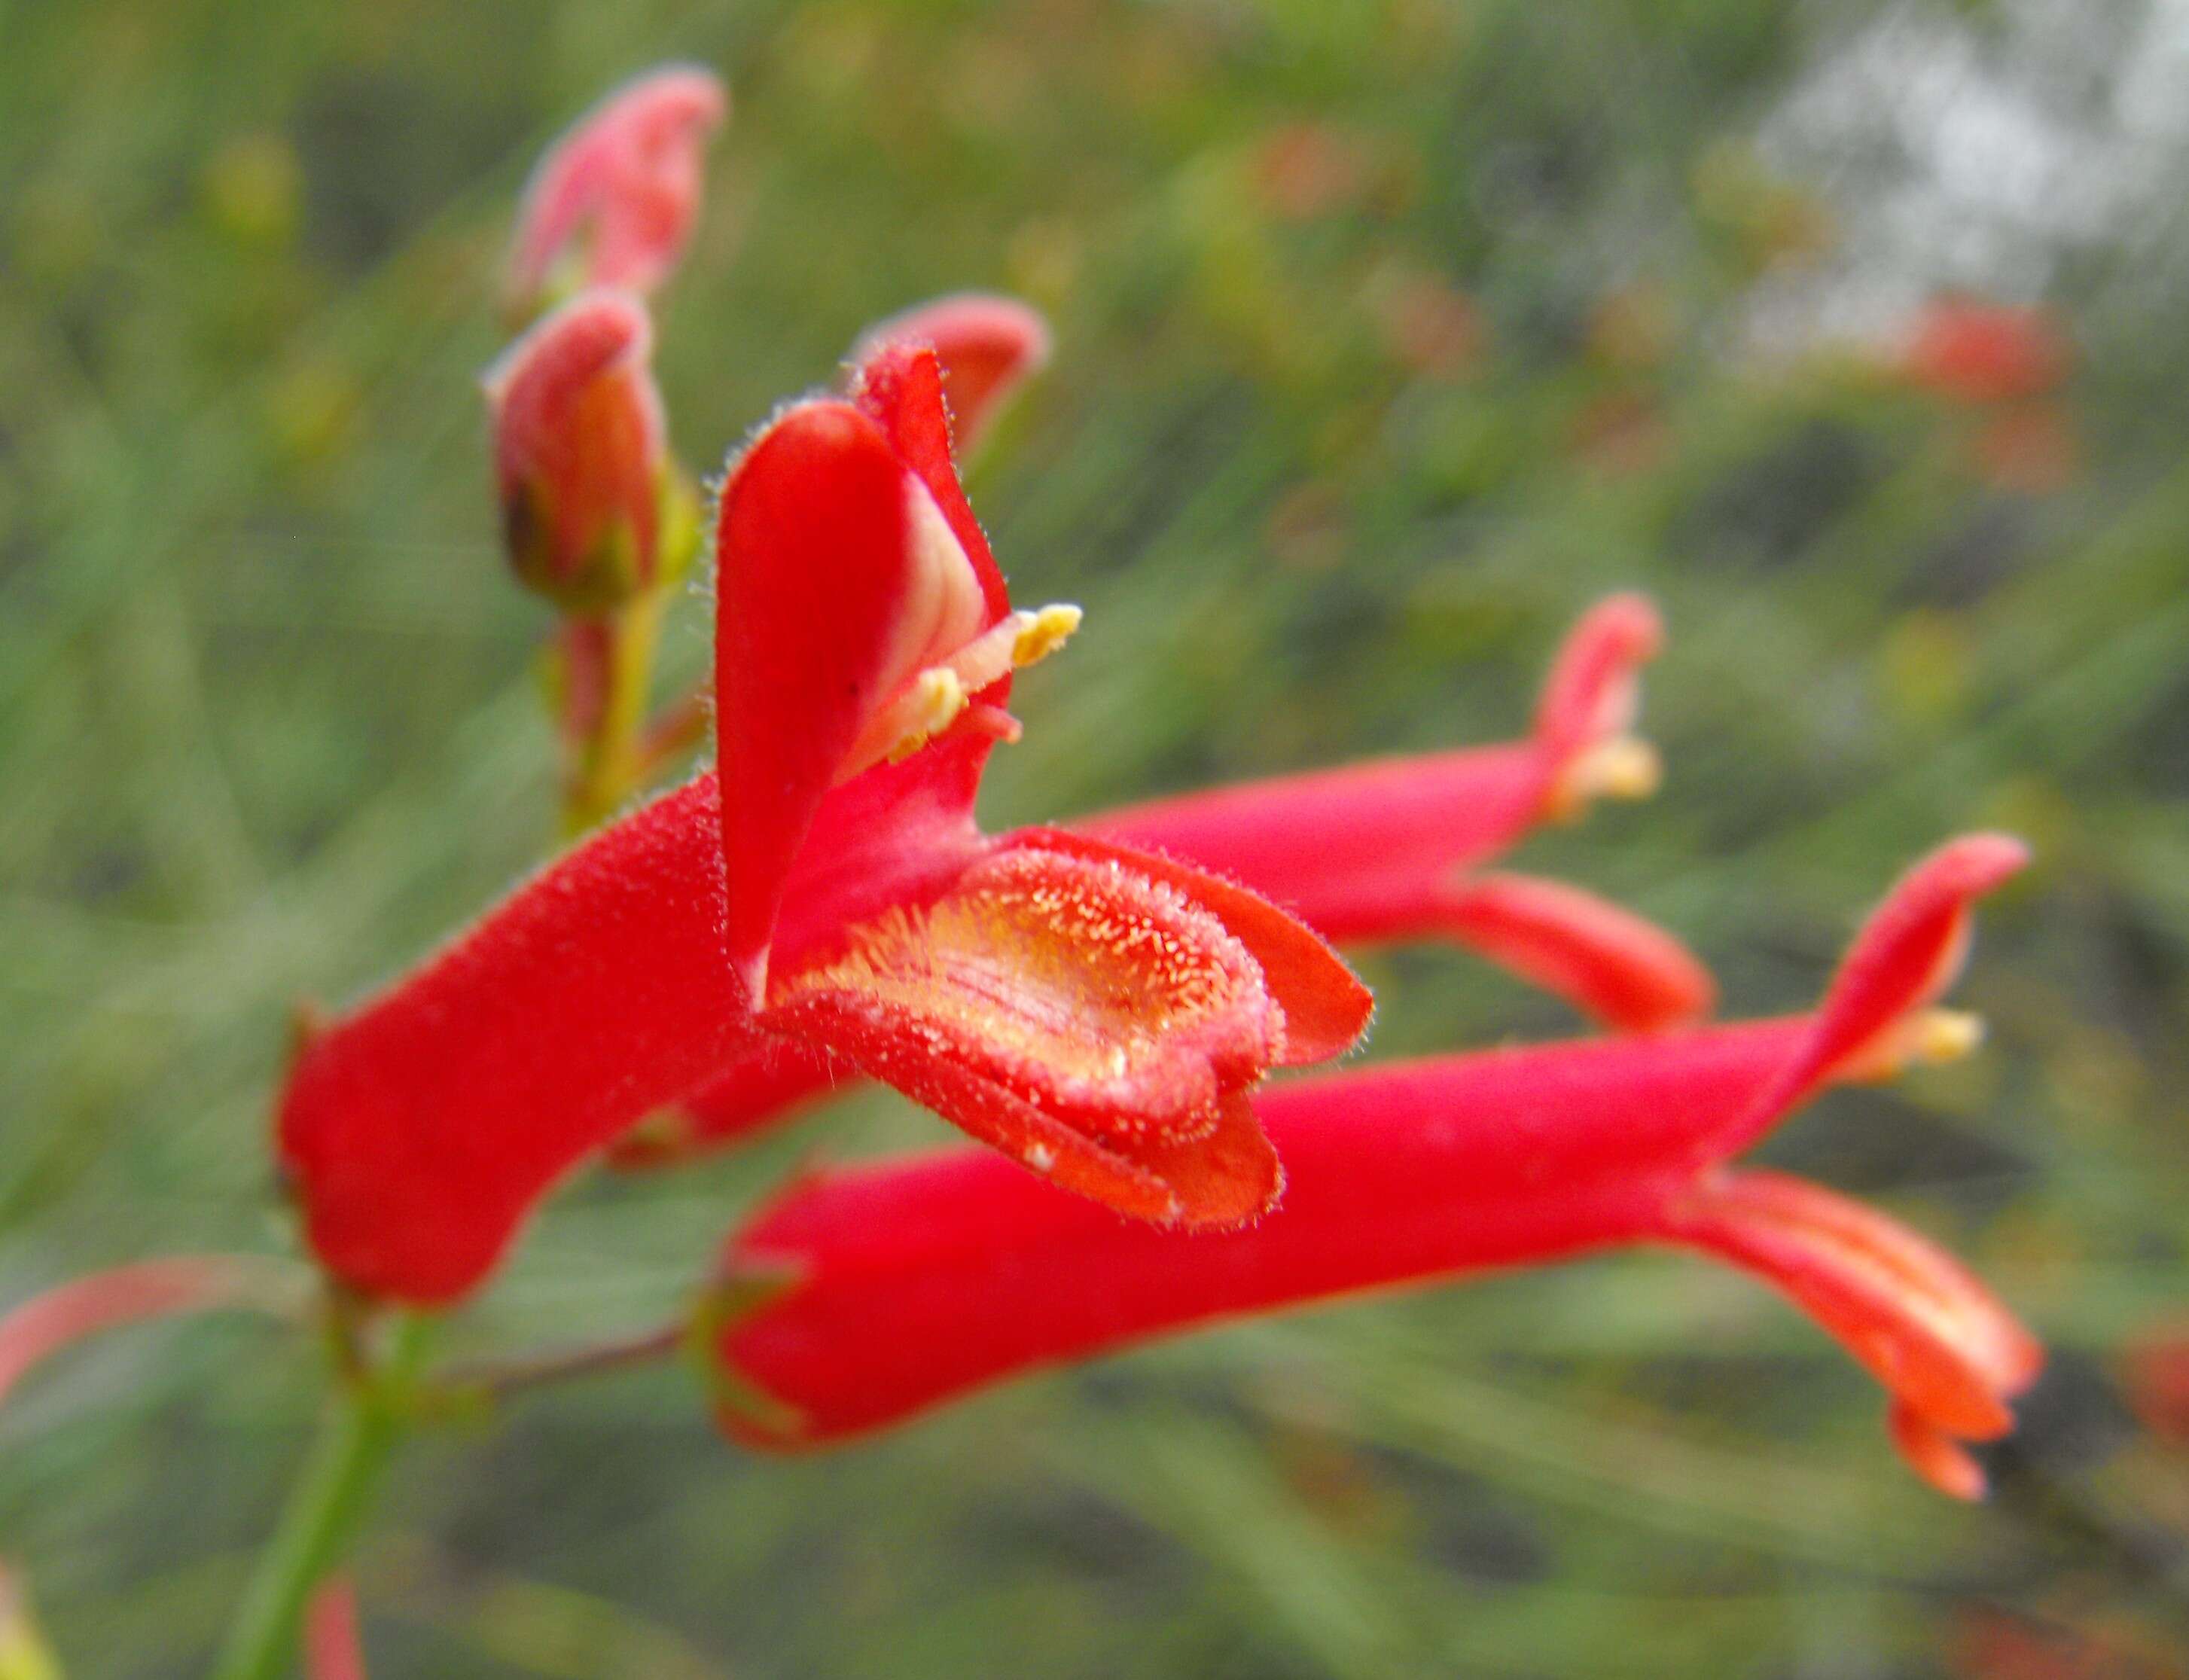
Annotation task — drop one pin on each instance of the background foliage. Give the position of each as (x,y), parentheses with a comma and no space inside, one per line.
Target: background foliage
(1392,332)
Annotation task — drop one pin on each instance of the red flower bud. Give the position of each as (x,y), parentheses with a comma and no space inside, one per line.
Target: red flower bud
(899,1285)
(1096,1012)
(613,201)
(580,453)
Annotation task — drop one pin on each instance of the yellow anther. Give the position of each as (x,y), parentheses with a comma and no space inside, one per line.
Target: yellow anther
(1042,633)
(1935,1036)
(931,706)
(1624,766)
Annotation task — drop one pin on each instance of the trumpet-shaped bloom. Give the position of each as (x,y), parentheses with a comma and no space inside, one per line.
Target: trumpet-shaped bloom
(989,346)
(1097,1013)
(612,202)
(865,1296)
(1374,853)
(580,453)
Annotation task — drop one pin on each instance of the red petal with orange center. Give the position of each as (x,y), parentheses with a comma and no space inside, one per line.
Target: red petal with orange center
(1091,1022)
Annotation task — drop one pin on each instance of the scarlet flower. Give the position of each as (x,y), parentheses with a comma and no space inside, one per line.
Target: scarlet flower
(1975,352)
(1374,853)
(581,456)
(865,1296)
(988,345)
(613,201)
(1097,1013)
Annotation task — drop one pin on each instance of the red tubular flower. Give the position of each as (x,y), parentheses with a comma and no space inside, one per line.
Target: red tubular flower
(989,346)
(1375,853)
(1096,1012)
(863,1297)
(581,454)
(1365,851)
(613,201)
(1975,352)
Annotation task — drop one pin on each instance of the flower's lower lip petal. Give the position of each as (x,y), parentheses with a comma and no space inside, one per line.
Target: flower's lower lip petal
(1908,1312)
(985,1109)
(1607,962)
(1934,1454)
(1077,988)
(1325,1007)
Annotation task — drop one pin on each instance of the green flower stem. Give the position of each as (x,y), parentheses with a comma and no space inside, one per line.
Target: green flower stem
(610,764)
(324,1512)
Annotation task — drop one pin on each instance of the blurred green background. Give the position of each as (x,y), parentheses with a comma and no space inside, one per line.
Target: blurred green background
(1391,334)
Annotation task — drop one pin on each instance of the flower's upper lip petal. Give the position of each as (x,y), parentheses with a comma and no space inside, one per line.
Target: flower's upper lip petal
(815,564)
(1905,955)
(899,387)
(1589,693)
(987,345)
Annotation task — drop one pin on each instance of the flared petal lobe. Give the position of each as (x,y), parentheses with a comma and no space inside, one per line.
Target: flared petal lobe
(580,453)
(1085,1016)
(1950,1354)
(613,201)
(1876,1016)
(987,347)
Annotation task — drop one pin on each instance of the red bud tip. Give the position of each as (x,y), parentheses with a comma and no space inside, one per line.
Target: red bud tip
(613,201)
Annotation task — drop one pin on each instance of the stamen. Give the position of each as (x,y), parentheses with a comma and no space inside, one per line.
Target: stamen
(1623,766)
(1924,1037)
(936,698)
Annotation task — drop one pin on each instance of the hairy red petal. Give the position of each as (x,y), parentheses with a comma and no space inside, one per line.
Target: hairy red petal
(860,862)
(626,178)
(900,386)
(1910,1313)
(988,346)
(817,573)
(1091,1022)
(417,1131)
(1325,1007)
